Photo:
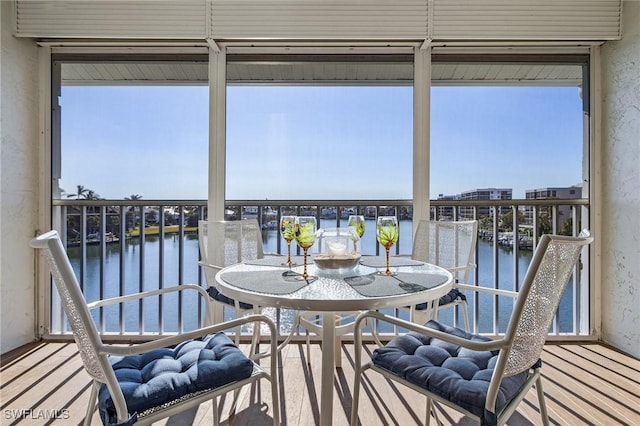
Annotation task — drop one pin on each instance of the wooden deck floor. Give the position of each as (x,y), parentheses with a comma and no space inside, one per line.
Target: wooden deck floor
(583,383)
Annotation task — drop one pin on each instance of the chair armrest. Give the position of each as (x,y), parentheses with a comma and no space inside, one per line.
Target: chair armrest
(210,272)
(454,269)
(136,296)
(119,350)
(470,344)
(206,265)
(488,290)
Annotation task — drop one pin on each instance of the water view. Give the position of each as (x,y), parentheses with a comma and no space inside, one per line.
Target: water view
(167,312)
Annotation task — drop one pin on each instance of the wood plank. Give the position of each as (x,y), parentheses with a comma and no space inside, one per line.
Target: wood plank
(583,384)
(614,393)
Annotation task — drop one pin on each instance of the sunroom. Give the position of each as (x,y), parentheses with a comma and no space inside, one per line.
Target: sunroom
(520,115)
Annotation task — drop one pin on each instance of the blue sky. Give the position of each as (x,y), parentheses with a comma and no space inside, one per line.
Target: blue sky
(318,142)
(123,140)
(505,137)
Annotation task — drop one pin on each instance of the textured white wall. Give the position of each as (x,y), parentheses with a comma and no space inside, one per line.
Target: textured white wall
(621,186)
(18,183)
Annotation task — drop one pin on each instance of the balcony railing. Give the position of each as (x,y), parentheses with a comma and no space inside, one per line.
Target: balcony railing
(112,256)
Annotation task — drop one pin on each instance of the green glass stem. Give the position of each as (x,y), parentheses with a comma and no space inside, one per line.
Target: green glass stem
(289,252)
(304,271)
(388,271)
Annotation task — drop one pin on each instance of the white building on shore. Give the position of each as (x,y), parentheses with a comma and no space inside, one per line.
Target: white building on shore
(561,213)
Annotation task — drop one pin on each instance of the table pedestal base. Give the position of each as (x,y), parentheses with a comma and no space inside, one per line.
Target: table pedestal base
(330,356)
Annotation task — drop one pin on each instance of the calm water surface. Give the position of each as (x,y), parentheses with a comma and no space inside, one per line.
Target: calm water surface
(168,315)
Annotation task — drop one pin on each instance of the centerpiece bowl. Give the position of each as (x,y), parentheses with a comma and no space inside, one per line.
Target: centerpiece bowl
(338,249)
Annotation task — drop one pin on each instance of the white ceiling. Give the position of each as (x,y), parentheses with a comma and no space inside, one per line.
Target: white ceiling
(394,71)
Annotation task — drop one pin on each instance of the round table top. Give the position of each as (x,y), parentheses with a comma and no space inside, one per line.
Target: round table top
(333,291)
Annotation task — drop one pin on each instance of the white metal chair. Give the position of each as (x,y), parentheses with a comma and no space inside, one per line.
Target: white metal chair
(234,241)
(451,245)
(483,378)
(145,382)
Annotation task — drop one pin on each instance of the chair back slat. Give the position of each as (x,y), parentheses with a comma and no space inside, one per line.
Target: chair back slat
(203,239)
(547,277)
(230,242)
(551,267)
(84,329)
(448,244)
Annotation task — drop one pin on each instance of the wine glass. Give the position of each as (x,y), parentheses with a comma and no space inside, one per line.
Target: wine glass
(288,232)
(357,222)
(387,234)
(305,233)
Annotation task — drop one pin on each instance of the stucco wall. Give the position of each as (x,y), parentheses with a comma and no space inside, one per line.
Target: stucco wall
(621,186)
(18,183)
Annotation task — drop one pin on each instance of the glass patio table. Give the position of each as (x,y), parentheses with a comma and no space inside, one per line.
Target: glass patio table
(265,282)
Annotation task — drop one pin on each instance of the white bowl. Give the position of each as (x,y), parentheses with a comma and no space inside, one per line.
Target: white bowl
(336,262)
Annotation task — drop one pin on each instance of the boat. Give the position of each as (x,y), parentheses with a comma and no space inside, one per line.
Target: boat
(328,213)
(94,238)
(346,212)
(272,224)
(155,230)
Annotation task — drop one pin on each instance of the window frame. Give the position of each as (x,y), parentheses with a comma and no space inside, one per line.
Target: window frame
(423,56)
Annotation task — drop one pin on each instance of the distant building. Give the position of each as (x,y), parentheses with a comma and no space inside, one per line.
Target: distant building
(571,192)
(562,212)
(485,194)
(446,212)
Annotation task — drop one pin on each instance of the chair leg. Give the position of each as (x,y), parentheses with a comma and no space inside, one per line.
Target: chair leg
(216,417)
(91,408)
(424,315)
(356,394)
(308,347)
(237,336)
(465,315)
(427,420)
(254,350)
(275,400)
(372,326)
(234,403)
(217,311)
(427,412)
(238,329)
(432,412)
(541,401)
(294,328)
(337,346)
(308,341)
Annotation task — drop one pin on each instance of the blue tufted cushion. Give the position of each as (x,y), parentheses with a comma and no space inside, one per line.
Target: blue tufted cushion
(454,373)
(156,377)
(216,295)
(453,294)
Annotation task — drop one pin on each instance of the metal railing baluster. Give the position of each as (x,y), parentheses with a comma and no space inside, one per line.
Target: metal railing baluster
(141,273)
(121,273)
(78,214)
(161,270)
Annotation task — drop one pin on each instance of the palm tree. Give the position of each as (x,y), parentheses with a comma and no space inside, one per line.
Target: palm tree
(506,220)
(567,227)
(131,219)
(92,195)
(80,193)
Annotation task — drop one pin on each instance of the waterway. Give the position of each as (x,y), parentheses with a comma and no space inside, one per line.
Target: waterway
(166,312)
